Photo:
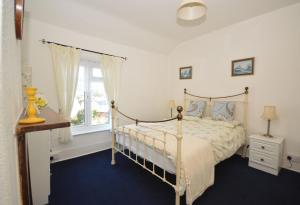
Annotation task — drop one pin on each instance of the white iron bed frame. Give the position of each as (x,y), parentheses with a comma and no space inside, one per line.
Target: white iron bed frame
(133,137)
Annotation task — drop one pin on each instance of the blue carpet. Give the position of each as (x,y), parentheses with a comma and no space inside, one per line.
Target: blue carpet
(91,180)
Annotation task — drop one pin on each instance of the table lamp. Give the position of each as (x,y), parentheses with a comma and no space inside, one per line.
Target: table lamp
(172,106)
(269,114)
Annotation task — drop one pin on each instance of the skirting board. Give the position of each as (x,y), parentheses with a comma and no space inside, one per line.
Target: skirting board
(80,151)
(295,167)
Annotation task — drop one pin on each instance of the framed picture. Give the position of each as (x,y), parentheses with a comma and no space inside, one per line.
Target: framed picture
(242,67)
(185,73)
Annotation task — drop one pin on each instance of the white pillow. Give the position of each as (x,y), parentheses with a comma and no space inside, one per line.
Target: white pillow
(223,110)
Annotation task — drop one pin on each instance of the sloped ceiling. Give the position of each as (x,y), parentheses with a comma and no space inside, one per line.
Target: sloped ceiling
(151,24)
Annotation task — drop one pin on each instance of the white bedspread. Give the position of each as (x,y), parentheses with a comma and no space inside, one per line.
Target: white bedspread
(204,144)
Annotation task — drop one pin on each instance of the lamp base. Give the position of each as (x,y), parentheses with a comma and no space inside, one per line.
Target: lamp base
(268,130)
(268,135)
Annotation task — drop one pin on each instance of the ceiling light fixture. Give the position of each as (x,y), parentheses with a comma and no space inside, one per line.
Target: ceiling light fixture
(190,10)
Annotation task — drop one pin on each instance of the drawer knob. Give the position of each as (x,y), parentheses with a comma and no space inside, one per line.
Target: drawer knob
(263,147)
(262,160)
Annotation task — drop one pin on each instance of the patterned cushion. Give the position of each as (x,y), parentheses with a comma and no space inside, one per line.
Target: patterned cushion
(223,111)
(196,108)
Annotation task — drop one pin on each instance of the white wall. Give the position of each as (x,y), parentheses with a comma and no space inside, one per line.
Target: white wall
(274,40)
(143,85)
(10,105)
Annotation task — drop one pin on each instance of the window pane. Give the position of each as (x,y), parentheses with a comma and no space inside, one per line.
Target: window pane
(100,114)
(78,110)
(97,73)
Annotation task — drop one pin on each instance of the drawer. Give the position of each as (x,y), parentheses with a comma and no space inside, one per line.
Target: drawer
(263,159)
(265,147)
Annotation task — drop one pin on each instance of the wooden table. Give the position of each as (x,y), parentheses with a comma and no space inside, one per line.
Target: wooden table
(53,121)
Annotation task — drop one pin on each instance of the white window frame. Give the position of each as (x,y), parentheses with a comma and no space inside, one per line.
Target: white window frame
(87,127)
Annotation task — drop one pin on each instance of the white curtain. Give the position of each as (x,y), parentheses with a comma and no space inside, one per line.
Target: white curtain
(111,70)
(66,66)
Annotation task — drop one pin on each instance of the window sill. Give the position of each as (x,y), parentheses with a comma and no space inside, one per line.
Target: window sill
(82,131)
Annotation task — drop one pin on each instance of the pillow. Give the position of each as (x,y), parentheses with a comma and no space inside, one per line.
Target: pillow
(223,110)
(196,108)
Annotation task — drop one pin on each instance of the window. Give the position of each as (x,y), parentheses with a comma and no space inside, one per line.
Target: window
(90,110)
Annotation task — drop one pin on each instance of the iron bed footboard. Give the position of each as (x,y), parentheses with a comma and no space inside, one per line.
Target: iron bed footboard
(136,136)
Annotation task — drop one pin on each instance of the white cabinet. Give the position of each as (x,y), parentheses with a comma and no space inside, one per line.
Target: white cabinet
(39,165)
(266,153)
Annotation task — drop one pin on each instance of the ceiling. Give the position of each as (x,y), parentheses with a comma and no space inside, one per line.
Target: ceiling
(147,24)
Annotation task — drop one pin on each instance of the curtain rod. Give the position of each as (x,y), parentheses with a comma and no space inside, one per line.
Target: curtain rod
(44,41)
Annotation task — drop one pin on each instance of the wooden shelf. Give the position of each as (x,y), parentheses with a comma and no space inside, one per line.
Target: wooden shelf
(53,121)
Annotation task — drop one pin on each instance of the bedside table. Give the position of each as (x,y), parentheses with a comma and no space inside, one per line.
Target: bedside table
(266,153)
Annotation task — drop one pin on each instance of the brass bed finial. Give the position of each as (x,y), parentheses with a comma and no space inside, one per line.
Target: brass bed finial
(113,104)
(179,110)
(246,90)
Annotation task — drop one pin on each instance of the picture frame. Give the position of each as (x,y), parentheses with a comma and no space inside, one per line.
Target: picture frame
(185,73)
(242,67)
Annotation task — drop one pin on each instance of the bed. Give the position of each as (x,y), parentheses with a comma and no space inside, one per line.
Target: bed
(187,146)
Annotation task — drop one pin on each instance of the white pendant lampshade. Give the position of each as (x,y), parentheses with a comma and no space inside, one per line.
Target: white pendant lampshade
(190,10)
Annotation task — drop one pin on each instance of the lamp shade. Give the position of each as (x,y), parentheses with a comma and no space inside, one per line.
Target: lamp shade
(190,10)
(269,113)
(172,104)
